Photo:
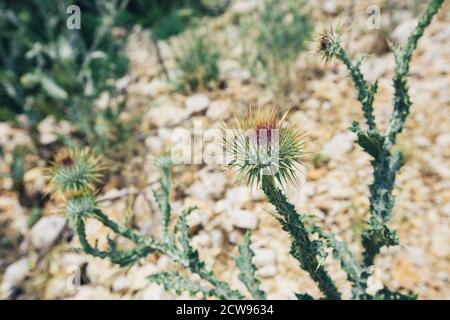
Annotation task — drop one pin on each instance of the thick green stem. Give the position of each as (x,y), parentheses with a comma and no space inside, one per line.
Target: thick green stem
(365,94)
(402,101)
(144,247)
(165,204)
(302,248)
(387,161)
(162,198)
(355,273)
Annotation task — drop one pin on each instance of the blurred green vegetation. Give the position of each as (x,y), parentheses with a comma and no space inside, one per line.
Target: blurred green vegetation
(49,69)
(197,61)
(44,63)
(168,18)
(273,38)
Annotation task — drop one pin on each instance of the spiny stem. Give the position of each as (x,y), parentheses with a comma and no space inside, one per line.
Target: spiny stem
(387,161)
(302,248)
(355,273)
(402,101)
(165,204)
(144,247)
(365,93)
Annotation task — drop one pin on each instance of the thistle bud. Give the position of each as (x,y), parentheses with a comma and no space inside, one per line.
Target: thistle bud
(328,42)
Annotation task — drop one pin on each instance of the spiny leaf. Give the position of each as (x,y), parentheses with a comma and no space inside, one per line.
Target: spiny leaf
(173,280)
(371,140)
(386,294)
(247,270)
(347,260)
(182,229)
(303,296)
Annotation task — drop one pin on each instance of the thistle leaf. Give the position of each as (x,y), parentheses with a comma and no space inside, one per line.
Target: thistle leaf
(303,296)
(386,294)
(173,280)
(247,270)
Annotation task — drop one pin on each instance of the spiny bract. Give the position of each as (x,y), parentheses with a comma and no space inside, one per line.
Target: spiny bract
(261,143)
(75,172)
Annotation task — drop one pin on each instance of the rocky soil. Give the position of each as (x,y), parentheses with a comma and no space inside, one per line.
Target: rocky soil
(42,262)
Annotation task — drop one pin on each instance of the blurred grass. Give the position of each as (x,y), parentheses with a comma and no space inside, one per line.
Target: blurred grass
(197,60)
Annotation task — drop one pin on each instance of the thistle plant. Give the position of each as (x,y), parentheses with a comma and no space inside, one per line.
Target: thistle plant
(75,176)
(266,151)
(387,160)
(386,163)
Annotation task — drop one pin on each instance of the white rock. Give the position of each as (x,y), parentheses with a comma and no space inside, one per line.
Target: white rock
(440,244)
(198,217)
(339,145)
(417,255)
(14,274)
(94,293)
(244,6)
(137,276)
(5,133)
(46,230)
(443,139)
(222,206)
(154,144)
(238,196)
(330,6)
(440,168)
(403,30)
(103,101)
(166,115)
(219,110)
(156,87)
(375,283)
(264,257)
(154,292)
(267,272)
(197,103)
(120,284)
(446,209)
(123,83)
(49,127)
(234,237)
(241,74)
(100,271)
(301,119)
(244,219)
(216,237)
(143,215)
(70,259)
(210,186)
(201,240)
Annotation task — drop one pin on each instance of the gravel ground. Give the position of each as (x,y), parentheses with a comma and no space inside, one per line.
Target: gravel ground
(334,191)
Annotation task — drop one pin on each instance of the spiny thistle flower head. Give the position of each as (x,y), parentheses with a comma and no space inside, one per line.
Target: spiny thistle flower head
(80,206)
(328,42)
(262,143)
(75,172)
(164,160)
